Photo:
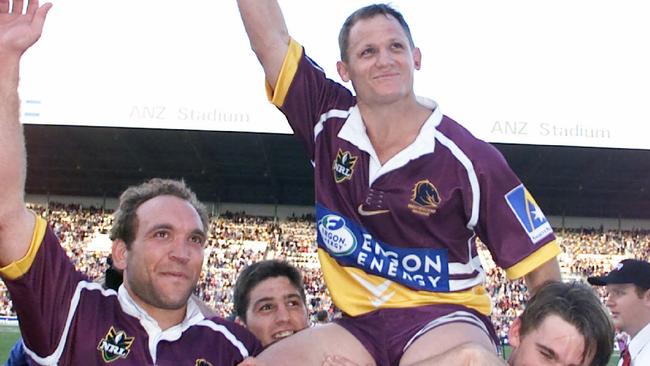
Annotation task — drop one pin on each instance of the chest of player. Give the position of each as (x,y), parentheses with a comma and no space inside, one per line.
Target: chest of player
(97,338)
(420,202)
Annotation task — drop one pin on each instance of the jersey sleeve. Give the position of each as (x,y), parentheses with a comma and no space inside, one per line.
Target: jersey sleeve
(41,286)
(511,223)
(305,95)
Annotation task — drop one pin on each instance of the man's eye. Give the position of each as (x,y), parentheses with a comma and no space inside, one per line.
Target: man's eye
(161,234)
(547,355)
(397,45)
(367,52)
(266,307)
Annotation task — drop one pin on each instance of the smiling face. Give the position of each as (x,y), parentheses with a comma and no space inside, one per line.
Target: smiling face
(553,342)
(164,261)
(380,61)
(275,310)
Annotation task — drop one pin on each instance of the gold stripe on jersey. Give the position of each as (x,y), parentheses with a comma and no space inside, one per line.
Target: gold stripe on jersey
(344,284)
(289,68)
(18,268)
(534,260)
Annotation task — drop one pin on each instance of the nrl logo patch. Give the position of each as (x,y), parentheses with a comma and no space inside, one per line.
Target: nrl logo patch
(343,166)
(115,345)
(202,362)
(425,198)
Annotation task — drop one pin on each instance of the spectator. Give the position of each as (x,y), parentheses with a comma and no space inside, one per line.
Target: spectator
(628,287)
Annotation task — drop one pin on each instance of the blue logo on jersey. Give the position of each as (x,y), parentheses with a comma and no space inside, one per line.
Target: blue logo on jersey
(352,245)
(528,213)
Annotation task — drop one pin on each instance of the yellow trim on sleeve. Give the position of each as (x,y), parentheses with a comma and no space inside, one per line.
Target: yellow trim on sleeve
(18,268)
(289,68)
(534,260)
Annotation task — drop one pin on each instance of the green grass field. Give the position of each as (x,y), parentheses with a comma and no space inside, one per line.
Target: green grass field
(9,335)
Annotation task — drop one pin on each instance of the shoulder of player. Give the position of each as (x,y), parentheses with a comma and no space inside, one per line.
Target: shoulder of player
(455,136)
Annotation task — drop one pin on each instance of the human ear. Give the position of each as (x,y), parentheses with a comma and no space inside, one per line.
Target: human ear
(119,254)
(342,69)
(417,58)
(513,333)
(239,321)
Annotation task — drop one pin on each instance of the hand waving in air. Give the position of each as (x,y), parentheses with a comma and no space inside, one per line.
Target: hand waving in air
(18,30)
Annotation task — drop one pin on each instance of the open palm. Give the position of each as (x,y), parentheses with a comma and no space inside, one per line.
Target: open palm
(19,31)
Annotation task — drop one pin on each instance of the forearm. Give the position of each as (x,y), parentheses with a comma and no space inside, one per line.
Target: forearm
(12,158)
(267,32)
(15,221)
(547,272)
(11,129)
(18,32)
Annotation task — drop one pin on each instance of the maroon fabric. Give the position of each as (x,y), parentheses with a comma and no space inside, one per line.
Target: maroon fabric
(385,332)
(99,330)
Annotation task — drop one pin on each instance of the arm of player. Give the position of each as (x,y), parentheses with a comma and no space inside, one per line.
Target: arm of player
(268,34)
(18,31)
(549,271)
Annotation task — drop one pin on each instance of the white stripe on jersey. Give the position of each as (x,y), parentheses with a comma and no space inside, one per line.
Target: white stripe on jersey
(332,113)
(53,359)
(471,175)
(226,333)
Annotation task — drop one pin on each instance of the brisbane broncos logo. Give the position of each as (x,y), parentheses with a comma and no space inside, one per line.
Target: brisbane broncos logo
(343,166)
(425,198)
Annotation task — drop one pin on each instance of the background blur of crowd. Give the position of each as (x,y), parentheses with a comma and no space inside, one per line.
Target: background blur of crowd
(237,240)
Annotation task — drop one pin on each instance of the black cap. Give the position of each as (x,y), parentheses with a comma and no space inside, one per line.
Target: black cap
(627,271)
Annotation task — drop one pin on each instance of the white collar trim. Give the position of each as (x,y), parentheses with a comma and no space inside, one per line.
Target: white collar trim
(193,315)
(354,131)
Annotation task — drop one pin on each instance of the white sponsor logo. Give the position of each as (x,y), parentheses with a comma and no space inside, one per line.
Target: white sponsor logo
(336,236)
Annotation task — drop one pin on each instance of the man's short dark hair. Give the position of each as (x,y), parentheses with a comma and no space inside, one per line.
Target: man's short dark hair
(252,275)
(577,304)
(368,12)
(125,220)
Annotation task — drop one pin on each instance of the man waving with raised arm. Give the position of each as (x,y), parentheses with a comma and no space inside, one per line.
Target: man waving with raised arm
(402,194)
(159,231)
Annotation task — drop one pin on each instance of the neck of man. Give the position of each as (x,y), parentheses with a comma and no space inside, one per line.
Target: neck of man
(393,127)
(644,320)
(166,318)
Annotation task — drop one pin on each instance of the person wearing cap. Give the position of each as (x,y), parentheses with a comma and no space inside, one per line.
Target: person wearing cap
(628,299)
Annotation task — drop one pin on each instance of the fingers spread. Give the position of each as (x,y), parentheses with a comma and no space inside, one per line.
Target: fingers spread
(17,7)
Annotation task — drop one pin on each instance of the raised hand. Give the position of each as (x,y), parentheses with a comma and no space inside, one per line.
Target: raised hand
(19,30)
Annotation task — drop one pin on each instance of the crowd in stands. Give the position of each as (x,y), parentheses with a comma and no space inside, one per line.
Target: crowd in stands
(237,240)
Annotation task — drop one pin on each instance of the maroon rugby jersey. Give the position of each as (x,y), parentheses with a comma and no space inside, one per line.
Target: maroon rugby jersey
(65,319)
(404,233)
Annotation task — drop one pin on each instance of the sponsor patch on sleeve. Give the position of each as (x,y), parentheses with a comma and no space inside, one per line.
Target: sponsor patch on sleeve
(528,213)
